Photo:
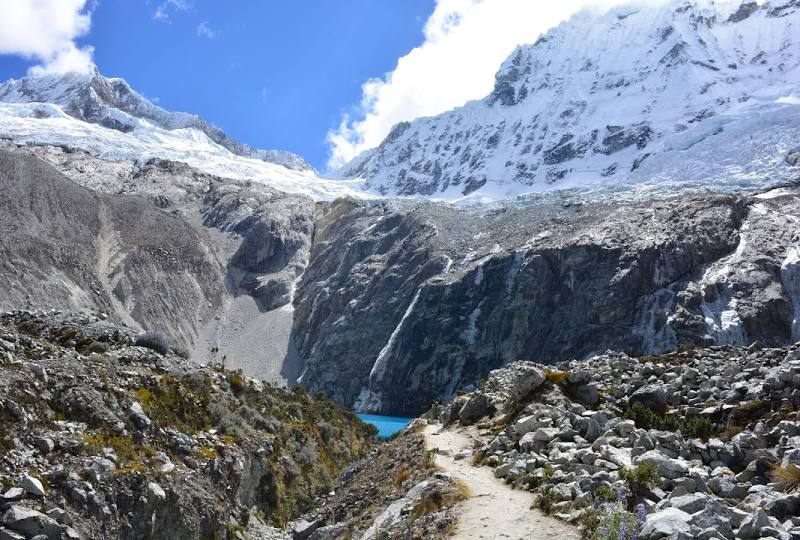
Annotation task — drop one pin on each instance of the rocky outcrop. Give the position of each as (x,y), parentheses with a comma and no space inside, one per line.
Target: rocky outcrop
(402,304)
(103,439)
(699,444)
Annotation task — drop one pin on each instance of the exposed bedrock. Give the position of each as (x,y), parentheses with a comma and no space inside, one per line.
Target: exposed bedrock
(387,323)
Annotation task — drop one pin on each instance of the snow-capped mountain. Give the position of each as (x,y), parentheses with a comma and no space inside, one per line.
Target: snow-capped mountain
(112,103)
(108,119)
(699,92)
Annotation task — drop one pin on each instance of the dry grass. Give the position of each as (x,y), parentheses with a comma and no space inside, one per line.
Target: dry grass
(787,478)
(556,377)
(401,475)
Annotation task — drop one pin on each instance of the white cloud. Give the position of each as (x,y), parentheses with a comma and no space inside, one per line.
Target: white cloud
(204,30)
(465,43)
(162,13)
(45,31)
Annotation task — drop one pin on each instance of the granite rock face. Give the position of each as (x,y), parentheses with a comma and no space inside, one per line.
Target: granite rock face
(402,305)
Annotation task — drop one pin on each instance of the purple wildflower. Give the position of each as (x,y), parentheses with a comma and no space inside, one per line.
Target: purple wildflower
(623,530)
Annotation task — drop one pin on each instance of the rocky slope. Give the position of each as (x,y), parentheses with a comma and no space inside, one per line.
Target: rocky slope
(104,439)
(396,491)
(405,303)
(706,441)
(672,95)
(159,246)
(366,300)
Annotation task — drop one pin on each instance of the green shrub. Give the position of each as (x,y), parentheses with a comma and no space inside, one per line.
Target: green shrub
(155,341)
(546,499)
(97,347)
(646,418)
(641,478)
(700,427)
(603,493)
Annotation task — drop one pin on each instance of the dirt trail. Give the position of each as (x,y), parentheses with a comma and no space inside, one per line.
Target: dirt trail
(494,510)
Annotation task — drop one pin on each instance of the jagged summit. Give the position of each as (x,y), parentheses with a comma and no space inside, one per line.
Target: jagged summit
(112,103)
(108,119)
(695,91)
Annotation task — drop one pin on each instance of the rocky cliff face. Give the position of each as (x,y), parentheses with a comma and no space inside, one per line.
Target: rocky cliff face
(401,306)
(674,93)
(390,305)
(159,246)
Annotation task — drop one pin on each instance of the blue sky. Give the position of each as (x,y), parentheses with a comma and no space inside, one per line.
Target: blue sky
(273,74)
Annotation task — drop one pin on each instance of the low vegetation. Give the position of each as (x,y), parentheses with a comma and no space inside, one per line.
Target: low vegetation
(153,340)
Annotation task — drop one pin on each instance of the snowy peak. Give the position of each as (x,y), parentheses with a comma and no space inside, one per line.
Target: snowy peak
(112,103)
(635,94)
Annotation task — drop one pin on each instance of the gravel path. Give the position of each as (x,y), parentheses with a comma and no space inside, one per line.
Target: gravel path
(494,510)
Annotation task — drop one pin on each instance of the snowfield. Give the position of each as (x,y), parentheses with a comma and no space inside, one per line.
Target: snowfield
(48,124)
(677,94)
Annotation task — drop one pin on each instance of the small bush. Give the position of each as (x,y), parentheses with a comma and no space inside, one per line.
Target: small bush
(787,478)
(556,377)
(402,475)
(238,382)
(750,410)
(589,523)
(616,523)
(603,493)
(641,478)
(155,341)
(97,347)
(182,352)
(646,418)
(546,499)
(700,427)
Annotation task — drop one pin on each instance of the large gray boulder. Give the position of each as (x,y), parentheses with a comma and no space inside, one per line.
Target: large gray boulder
(665,523)
(652,396)
(31,523)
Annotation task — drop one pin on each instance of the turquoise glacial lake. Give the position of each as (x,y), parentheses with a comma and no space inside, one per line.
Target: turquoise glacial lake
(387,425)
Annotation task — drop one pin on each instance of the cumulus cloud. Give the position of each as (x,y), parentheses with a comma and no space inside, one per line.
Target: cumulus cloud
(204,30)
(45,31)
(167,7)
(465,41)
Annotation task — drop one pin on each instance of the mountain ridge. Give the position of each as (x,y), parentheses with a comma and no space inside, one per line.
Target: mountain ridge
(111,101)
(634,95)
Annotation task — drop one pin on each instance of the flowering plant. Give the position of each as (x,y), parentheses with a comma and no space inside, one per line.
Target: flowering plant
(617,523)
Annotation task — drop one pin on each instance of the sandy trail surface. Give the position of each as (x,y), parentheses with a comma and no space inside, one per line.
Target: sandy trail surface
(494,510)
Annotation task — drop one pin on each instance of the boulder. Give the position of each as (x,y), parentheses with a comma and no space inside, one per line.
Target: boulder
(691,503)
(714,516)
(31,523)
(652,396)
(474,409)
(666,523)
(667,467)
(751,527)
(32,486)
